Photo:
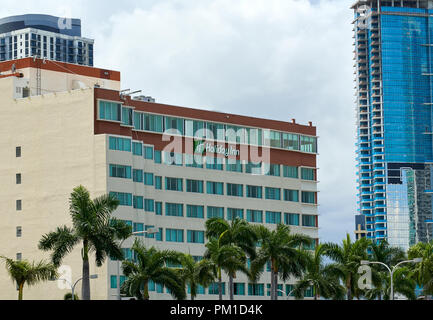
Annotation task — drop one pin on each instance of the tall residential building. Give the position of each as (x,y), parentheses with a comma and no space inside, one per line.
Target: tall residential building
(45,37)
(171,168)
(393,59)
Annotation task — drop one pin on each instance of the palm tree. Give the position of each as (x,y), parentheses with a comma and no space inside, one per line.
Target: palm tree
(348,258)
(196,273)
(383,252)
(228,258)
(282,249)
(423,272)
(324,278)
(150,265)
(23,272)
(94,227)
(237,233)
(68,296)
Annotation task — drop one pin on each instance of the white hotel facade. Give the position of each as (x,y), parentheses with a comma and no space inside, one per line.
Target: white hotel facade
(81,130)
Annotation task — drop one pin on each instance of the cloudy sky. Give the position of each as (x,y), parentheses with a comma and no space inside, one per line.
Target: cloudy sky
(277,59)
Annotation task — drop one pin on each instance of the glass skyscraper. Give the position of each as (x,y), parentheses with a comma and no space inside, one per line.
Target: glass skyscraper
(393,65)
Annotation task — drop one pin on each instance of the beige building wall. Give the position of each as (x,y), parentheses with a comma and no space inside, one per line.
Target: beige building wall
(59,152)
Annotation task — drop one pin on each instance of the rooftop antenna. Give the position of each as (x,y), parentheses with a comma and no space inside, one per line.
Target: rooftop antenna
(131,93)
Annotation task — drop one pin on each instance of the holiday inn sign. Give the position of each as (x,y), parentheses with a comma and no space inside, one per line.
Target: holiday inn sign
(206,147)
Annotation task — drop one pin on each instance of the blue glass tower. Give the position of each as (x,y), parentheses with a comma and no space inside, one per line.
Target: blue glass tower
(394,83)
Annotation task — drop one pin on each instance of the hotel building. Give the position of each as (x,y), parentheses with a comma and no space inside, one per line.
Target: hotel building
(393,74)
(170,167)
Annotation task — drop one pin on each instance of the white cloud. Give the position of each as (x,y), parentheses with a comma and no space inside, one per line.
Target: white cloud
(278,59)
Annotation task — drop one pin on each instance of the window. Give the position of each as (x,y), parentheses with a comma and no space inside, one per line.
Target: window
(291,219)
(137,175)
(308,197)
(139,227)
(279,291)
(120,144)
(214,163)
(233,213)
(290,172)
(148,153)
(194,129)
(308,144)
(149,205)
(273,217)
(19,205)
(174,184)
(194,236)
(275,139)
(215,212)
(290,141)
(195,186)
(172,158)
(273,193)
(235,134)
(200,289)
(125,199)
(19,256)
(175,125)
(174,209)
(272,169)
(215,188)
(291,195)
(253,168)
(137,202)
(148,179)
(157,155)
(214,288)
(18,178)
(255,216)
(193,161)
(308,221)
(173,235)
(119,171)
(127,116)
(215,131)
(110,111)
(158,236)
(158,183)
(307,174)
(137,148)
(158,208)
(254,192)
(235,190)
(152,122)
(254,136)
(19,232)
(193,211)
(238,289)
(256,289)
(234,165)
(18,152)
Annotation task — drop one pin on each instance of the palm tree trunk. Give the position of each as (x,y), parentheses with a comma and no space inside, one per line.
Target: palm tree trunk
(275,285)
(232,288)
(349,288)
(220,285)
(85,289)
(146,291)
(20,291)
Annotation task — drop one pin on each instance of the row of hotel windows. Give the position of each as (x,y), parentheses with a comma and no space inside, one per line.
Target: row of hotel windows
(254,289)
(196,161)
(111,111)
(198,212)
(215,188)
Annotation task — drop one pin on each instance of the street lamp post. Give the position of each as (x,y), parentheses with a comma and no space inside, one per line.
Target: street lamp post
(391,271)
(150,231)
(93,276)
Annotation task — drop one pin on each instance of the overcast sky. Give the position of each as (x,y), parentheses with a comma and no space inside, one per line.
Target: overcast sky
(277,59)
